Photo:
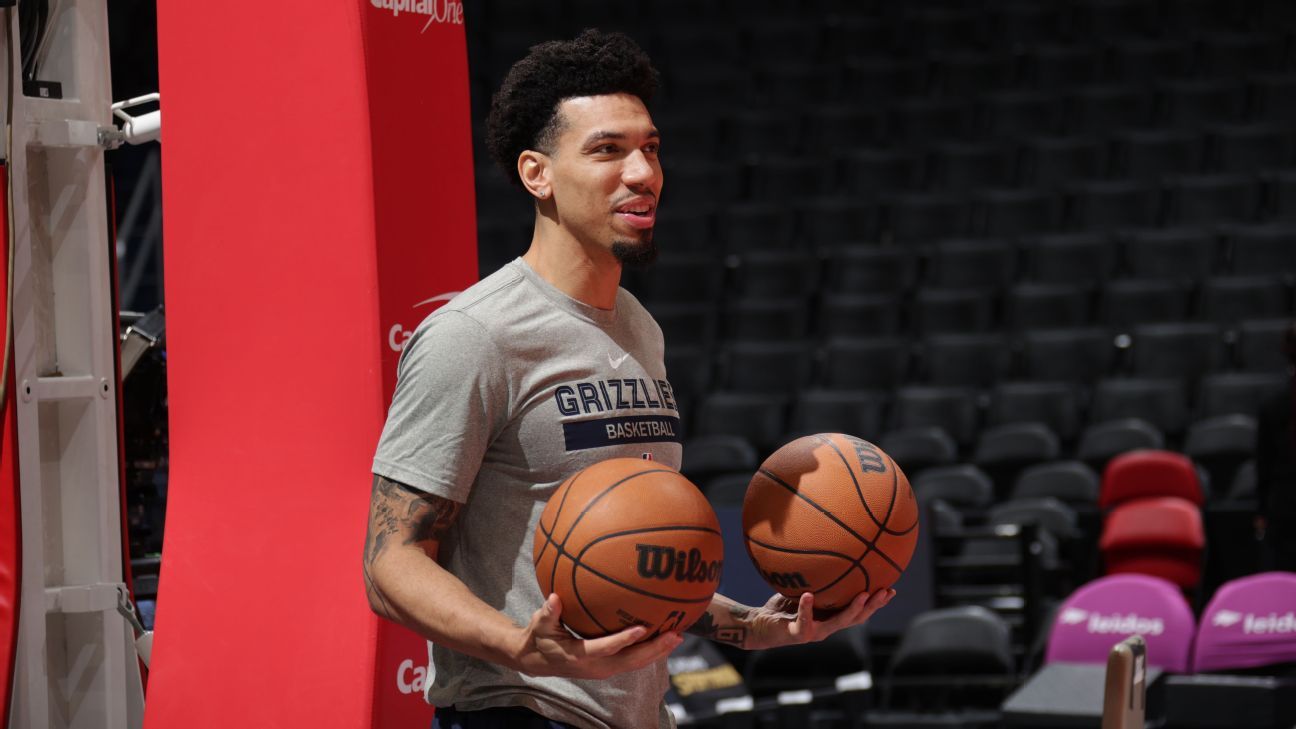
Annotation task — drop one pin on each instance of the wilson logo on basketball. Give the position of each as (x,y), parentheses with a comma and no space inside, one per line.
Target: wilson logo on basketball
(870,458)
(666,563)
(785,579)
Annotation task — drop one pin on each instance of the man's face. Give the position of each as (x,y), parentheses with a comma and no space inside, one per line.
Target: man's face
(605,177)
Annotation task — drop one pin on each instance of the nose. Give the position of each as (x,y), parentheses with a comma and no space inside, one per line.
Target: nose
(639,171)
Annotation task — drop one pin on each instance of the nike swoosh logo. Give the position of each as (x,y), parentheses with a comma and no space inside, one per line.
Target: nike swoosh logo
(616,361)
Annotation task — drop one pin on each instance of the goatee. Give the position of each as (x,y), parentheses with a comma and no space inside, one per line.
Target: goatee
(635,255)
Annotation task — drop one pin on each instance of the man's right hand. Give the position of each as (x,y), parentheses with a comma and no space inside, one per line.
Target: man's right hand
(548,649)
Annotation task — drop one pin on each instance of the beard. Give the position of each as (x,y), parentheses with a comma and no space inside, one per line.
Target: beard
(635,254)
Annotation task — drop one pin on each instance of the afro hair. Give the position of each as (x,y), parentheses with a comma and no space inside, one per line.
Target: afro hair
(524,112)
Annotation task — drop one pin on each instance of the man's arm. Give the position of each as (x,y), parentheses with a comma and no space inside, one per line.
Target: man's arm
(405,584)
(781,620)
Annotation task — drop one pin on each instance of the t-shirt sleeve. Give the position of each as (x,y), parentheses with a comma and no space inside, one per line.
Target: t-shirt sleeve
(451,400)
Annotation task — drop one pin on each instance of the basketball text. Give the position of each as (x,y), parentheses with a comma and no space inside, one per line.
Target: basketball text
(666,563)
(870,458)
(785,579)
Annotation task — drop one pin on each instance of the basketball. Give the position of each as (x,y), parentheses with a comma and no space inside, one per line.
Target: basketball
(830,514)
(628,542)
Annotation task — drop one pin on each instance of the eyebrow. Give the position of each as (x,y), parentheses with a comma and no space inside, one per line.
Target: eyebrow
(602,135)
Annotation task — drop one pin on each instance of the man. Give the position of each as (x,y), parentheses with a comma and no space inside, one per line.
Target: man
(476,439)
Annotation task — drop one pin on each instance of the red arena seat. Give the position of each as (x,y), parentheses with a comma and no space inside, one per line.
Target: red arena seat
(1162,537)
(1149,473)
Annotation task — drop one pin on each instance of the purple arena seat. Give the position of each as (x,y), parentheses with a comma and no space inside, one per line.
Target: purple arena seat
(1110,609)
(1251,621)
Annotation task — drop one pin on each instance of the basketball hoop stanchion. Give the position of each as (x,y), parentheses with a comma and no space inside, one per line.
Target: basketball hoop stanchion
(297,256)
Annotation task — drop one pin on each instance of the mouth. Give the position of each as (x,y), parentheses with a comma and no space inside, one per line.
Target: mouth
(638,213)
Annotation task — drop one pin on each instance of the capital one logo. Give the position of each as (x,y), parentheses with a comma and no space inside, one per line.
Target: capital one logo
(398,335)
(445,12)
(410,679)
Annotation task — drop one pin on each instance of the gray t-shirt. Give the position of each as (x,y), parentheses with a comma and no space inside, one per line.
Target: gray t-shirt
(500,396)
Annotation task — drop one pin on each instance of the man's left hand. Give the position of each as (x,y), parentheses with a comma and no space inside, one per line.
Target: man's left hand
(784,621)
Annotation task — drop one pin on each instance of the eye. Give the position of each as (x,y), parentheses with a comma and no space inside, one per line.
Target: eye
(607,149)
(652,148)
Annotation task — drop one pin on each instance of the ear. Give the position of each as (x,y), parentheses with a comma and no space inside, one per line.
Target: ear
(533,169)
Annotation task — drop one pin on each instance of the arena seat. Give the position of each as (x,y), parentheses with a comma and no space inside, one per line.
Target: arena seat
(1030,305)
(1068,355)
(1055,404)
(1100,442)
(965,487)
(1126,302)
(1212,198)
(1109,205)
(827,124)
(940,310)
(964,166)
(785,319)
(1011,115)
(1099,107)
(750,226)
(861,271)
(1185,350)
(1272,96)
(1003,451)
(1159,401)
(856,412)
(864,316)
(851,364)
(1109,609)
(1075,258)
(920,217)
(971,263)
(1071,482)
(1160,536)
(685,279)
(809,665)
(1259,344)
(788,178)
(1054,161)
(1149,473)
(758,131)
(870,171)
(949,657)
(1263,249)
(1248,148)
(831,220)
(954,409)
(1055,65)
(1228,300)
(917,449)
(765,366)
(1150,154)
(1014,212)
(773,275)
(1143,60)
(707,456)
(760,418)
(685,325)
(1221,445)
(1236,393)
(1197,102)
(1171,252)
(972,360)
(916,120)
(1248,623)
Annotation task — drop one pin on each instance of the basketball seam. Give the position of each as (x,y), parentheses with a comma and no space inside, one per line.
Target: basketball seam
(870,544)
(562,546)
(854,562)
(851,472)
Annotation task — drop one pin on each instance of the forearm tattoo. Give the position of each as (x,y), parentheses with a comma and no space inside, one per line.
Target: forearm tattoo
(730,628)
(398,513)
